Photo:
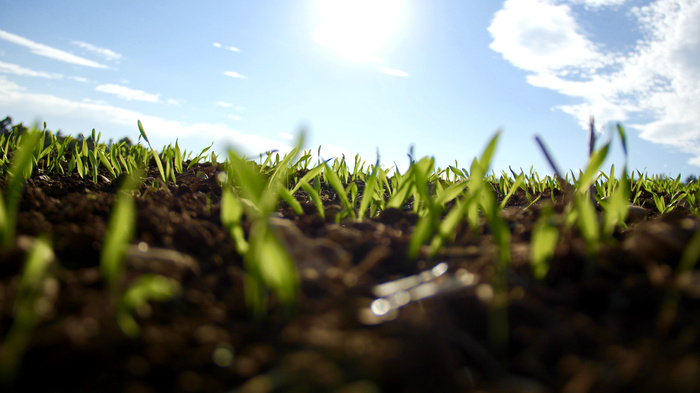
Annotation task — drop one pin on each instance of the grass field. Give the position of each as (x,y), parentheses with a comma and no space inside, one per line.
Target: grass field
(126,268)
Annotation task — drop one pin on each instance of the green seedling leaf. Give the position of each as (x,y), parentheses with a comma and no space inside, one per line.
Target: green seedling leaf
(421,233)
(29,292)
(542,246)
(231,216)
(623,138)
(660,203)
(120,231)
(276,267)
(95,165)
(370,189)
(199,157)
(337,185)
(451,192)
(486,156)
(163,176)
(591,172)
(518,182)
(252,184)
(20,167)
(315,197)
(399,197)
(291,200)
(148,287)
(106,163)
(616,207)
(587,221)
(178,158)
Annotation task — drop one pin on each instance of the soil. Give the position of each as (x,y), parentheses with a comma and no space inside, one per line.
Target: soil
(593,324)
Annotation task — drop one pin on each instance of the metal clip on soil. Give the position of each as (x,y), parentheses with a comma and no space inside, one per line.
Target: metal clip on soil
(393,295)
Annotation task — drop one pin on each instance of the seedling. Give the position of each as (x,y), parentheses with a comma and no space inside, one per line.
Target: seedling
(26,308)
(20,169)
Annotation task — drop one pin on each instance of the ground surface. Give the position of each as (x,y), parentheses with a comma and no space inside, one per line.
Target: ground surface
(589,326)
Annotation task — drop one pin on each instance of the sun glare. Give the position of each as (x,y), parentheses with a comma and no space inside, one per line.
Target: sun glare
(358,29)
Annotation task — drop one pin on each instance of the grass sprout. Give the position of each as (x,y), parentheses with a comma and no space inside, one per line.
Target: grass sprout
(120,232)
(147,287)
(21,168)
(163,176)
(267,262)
(29,302)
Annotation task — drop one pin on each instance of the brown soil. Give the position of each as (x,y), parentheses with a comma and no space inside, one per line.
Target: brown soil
(592,325)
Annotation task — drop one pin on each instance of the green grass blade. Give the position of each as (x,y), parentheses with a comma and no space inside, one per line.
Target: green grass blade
(421,233)
(542,246)
(623,138)
(518,182)
(106,163)
(21,165)
(307,177)
(315,197)
(337,185)
(485,160)
(291,200)
(120,231)
(587,221)
(591,172)
(370,188)
(148,287)
(276,267)
(29,292)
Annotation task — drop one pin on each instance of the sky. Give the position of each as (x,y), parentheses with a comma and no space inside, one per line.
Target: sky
(438,77)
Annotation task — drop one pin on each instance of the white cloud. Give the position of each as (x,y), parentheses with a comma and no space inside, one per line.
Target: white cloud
(78,79)
(393,71)
(599,3)
(234,75)
(172,101)
(536,35)
(231,48)
(286,135)
(9,68)
(127,93)
(224,104)
(101,115)
(108,54)
(234,117)
(654,88)
(47,51)
(239,108)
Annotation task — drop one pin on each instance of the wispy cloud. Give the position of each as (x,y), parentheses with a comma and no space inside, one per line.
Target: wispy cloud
(654,88)
(99,114)
(15,69)
(231,48)
(224,104)
(599,3)
(47,51)
(393,71)
(234,117)
(127,93)
(108,54)
(234,75)
(78,79)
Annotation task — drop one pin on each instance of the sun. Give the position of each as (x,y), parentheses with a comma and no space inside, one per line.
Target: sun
(358,29)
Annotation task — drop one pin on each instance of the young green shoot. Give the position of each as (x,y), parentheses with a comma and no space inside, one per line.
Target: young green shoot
(21,168)
(163,176)
(28,304)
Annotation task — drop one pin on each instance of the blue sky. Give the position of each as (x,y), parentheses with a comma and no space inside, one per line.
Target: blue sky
(363,75)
